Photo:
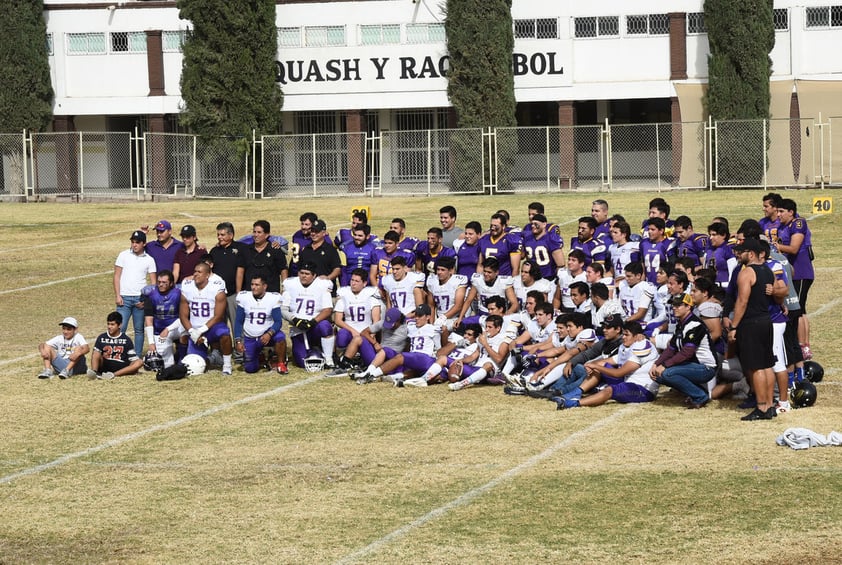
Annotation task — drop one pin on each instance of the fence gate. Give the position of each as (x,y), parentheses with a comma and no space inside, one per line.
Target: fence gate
(489,161)
(822,151)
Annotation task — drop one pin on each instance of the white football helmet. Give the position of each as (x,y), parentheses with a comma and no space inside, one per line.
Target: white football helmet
(195,364)
(314,363)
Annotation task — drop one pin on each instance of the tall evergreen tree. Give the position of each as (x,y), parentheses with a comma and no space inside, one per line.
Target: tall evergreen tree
(26,96)
(228,75)
(741,36)
(480,85)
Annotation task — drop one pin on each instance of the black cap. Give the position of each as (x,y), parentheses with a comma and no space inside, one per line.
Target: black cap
(138,235)
(319,226)
(188,231)
(613,321)
(423,310)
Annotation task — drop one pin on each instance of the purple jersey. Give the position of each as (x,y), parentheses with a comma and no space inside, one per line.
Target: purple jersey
(693,247)
(162,307)
(502,249)
(355,258)
(594,249)
(770,228)
(299,242)
(408,243)
(428,260)
(541,250)
(467,258)
(717,258)
(654,255)
(603,231)
(801,261)
(383,260)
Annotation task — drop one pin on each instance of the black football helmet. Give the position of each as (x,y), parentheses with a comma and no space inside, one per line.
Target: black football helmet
(813,371)
(153,361)
(804,394)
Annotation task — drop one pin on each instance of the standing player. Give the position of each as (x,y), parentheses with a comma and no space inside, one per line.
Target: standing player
(202,315)
(381,259)
(544,247)
(770,222)
(358,253)
(796,242)
(586,240)
(690,244)
(114,352)
(307,305)
(357,308)
(300,239)
(426,252)
(405,242)
(622,251)
(345,235)
(468,251)
(719,255)
(599,212)
(258,324)
(65,352)
(504,247)
(402,289)
(163,327)
(655,250)
(446,292)
(487,284)
(450,231)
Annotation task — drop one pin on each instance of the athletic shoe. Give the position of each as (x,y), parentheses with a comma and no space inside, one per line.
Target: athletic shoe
(513,390)
(545,394)
(758,414)
(563,403)
(496,379)
(398,383)
(215,358)
(282,368)
(92,374)
(46,374)
(695,406)
(749,402)
(106,376)
(459,385)
(782,407)
(419,382)
(63,374)
(227,371)
(515,380)
(806,352)
(536,385)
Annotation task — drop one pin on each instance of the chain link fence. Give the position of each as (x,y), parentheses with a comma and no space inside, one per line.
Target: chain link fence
(13,177)
(724,154)
(313,164)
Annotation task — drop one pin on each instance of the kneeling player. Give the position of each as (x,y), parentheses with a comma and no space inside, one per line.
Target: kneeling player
(258,324)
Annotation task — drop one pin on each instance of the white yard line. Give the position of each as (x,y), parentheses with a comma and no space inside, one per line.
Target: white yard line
(51,283)
(470,495)
(153,429)
(63,242)
(16,359)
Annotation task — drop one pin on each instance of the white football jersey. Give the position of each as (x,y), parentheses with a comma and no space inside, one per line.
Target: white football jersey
(444,295)
(357,308)
(258,311)
(307,301)
(495,343)
(644,354)
(635,297)
(565,279)
(622,255)
(425,339)
(202,301)
(541,285)
(486,291)
(402,293)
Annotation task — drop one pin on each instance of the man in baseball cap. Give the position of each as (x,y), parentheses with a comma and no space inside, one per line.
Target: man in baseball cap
(165,246)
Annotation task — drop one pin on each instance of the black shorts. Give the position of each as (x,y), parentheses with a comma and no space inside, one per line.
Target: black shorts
(754,344)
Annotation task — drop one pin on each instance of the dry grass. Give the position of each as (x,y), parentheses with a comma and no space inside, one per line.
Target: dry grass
(316,473)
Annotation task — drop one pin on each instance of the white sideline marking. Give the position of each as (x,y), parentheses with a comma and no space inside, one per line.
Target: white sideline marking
(16,359)
(474,493)
(156,428)
(825,307)
(51,283)
(53,244)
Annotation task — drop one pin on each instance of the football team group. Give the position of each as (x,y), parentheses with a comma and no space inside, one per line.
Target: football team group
(618,313)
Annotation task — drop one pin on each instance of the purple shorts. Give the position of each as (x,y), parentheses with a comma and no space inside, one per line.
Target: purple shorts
(418,362)
(630,393)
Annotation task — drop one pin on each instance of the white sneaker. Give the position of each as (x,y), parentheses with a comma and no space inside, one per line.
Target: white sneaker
(782,407)
(92,374)
(416,382)
(227,371)
(63,374)
(46,374)
(459,385)
(106,376)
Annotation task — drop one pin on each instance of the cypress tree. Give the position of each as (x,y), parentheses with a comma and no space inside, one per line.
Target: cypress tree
(741,36)
(228,75)
(480,86)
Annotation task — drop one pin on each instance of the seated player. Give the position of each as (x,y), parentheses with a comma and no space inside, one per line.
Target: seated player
(114,354)
(460,349)
(393,340)
(162,325)
(625,376)
(257,324)
(494,349)
(65,352)
(580,336)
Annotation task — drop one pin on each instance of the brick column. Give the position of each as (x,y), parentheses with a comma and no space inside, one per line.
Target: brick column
(677,139)
(678,46)
(157,165)
(155,62)
(355,128)
(67,156)
(567,145)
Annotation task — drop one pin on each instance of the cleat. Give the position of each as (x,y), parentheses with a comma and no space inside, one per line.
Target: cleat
(282,368)
(563,403)
(46,374)
(419,382)
(495,379)
(545,394)
(227,371)
(513,390)
(514,379)
(758,414)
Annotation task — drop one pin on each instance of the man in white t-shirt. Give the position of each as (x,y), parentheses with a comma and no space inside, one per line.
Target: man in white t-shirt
(65,352)
(131,270)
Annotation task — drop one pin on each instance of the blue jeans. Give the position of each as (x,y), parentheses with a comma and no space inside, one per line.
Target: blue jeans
(565,385)
(689,378)
(130,309)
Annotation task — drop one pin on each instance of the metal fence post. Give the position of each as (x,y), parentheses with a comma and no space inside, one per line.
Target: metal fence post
(658,155)
(547,153)
(193,167)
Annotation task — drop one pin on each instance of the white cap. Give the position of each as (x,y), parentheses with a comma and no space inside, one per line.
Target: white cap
(69,321)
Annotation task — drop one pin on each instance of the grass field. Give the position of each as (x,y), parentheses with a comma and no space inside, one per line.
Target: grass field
(302,469)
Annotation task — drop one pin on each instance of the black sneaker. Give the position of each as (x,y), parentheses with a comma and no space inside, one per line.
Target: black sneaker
(513,390)
(758,414)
